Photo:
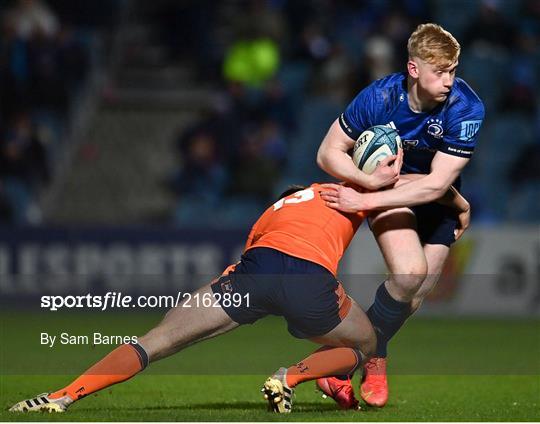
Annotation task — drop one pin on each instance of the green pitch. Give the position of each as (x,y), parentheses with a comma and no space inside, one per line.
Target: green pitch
(442,370)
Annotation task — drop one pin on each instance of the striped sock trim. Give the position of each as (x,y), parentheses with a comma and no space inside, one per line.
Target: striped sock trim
(143,356)
(359,359)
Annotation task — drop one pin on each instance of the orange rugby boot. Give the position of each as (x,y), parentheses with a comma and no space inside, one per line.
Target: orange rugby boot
(374,386)
(339,390)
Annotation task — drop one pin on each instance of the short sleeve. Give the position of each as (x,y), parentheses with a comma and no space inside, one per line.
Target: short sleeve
(462,130)
(361,113)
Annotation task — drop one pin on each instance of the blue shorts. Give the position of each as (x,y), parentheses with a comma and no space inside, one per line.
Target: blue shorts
(307,295)
(435,223)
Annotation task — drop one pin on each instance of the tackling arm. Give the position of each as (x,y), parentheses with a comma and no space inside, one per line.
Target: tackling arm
(444,170)
(452,198)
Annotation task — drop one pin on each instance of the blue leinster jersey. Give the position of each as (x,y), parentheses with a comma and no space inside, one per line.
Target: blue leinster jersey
(452,127)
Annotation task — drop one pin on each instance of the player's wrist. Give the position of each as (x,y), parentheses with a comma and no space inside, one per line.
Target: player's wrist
(367,181)
(365,202)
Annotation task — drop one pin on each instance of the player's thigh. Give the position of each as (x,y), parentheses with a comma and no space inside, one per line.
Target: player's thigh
(201,309)
(395,233)
(197,318)
(355,331)
(436,256)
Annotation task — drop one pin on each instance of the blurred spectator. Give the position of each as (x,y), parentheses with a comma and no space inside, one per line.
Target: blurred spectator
(260,19)
(201,180)
(40,61)
(520,93)
(15,70)
(31,17)
(490,28)
(188,30)
(379,55)
(251,61)
(23,168)
(42,66)
(314,45)
(257,166)
(336,76)
(267,52)
(48,84)
(276,104)
(202,175)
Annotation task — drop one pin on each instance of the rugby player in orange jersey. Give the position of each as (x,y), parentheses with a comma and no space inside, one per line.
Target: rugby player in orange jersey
(289,269)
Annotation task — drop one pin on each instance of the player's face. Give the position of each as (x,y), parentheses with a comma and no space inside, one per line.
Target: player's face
(434,80)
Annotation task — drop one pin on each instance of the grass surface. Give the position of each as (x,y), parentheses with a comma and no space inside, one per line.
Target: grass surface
(441,370)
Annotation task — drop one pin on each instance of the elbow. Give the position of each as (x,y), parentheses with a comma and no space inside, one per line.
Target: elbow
(435,187)
(321,159)
(438,191)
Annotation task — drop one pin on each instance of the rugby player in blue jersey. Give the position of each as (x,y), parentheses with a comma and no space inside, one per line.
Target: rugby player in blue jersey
(438,117)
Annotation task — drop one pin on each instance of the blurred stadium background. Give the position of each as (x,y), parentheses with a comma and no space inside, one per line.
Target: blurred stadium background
(139,140)
(144,137)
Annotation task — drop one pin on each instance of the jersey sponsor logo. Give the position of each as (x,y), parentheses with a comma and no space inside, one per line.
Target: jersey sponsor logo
(435,128)
(415,145)
(469,129)
(226,286)
(461,152)
(409,144)
(344,123)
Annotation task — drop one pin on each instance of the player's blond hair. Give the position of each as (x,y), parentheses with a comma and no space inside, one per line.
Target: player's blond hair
(434,45)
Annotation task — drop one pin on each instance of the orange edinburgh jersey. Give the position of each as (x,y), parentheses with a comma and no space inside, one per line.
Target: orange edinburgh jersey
(301,225)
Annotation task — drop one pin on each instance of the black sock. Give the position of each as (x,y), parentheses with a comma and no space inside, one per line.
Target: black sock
(387,315)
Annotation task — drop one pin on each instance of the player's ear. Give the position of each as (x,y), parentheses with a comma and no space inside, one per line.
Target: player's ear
(412,68)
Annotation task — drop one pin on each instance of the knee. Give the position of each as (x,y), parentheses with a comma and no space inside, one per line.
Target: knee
(410,280)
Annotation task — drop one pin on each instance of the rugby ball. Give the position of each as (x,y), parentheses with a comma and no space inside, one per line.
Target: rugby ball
(373,145)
